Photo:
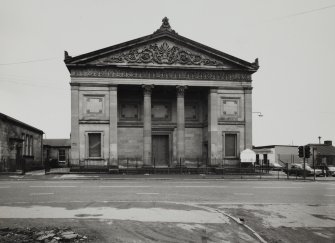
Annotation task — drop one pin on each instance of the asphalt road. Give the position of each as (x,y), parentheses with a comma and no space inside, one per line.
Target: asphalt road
(205,191)
(231,210)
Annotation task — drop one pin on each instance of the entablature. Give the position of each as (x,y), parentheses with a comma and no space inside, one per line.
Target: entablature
(161,74)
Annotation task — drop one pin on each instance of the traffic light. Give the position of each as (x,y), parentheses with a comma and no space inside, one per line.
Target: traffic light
(307,151)
(301,151)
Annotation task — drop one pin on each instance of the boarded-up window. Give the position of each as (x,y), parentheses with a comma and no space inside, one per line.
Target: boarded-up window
(230,145)
(94,145)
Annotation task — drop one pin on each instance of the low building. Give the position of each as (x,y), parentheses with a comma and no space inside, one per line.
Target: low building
(20,145)
(324,154)
(277,154)
(57,151)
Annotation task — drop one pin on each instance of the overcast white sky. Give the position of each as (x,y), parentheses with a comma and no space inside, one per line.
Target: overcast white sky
(293,39)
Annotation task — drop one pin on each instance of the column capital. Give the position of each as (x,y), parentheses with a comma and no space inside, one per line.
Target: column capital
(113,87)
(147,89)
(213,90)
(247,89)
(181,90)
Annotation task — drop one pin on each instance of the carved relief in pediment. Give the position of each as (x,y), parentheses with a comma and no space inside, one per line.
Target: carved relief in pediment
(161,53)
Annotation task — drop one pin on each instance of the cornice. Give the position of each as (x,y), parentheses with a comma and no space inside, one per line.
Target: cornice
(227,122)
(93,121)
(166,74)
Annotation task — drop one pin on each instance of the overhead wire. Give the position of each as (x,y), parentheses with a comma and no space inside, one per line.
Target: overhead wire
(303,12)
(29,61)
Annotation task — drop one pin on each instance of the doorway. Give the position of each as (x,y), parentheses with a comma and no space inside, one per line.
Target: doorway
(160,150)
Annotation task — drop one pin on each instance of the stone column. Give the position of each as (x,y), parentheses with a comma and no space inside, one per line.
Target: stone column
(113,126)
(212,126)
(147,146)
(74,156)
(180,124)
(248,117)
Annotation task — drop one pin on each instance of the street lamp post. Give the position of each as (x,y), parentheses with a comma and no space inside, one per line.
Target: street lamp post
(258,113)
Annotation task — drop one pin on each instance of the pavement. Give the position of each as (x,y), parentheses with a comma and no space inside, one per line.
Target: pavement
(65,174)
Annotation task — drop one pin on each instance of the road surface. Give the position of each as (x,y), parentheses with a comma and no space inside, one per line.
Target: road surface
(178,210)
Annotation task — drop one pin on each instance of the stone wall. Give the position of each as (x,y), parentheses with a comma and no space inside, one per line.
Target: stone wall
(130,144)
(193,145)
(10,136)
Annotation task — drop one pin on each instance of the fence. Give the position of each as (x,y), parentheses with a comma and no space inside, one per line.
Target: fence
(194,166)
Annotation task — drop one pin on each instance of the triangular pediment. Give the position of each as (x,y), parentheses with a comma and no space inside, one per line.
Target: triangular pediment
(161,53)
(164,48)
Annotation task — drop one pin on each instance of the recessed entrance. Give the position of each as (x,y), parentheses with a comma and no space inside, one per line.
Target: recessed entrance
(160,150)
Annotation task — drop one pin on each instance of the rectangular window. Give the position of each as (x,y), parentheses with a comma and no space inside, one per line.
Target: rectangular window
(26,150)
(230,143)
(94,145)
(265,159)
(257,159)
(23,143)
(61,155)
(31,145)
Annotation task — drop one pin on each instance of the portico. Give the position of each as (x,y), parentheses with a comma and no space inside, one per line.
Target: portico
(159,100)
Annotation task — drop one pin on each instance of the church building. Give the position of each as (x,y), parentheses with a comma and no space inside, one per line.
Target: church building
(161,100)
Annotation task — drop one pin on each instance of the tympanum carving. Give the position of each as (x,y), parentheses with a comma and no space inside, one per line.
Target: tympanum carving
(161,54)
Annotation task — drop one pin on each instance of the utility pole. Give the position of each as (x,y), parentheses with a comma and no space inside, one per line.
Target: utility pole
(305,152)
(313,163)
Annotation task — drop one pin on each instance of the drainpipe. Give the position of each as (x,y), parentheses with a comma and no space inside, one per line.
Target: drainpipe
(42,149)
(313,163)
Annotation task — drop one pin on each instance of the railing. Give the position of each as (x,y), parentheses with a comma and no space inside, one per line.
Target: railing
(189,166)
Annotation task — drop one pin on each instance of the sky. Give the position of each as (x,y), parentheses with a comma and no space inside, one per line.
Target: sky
(293,39)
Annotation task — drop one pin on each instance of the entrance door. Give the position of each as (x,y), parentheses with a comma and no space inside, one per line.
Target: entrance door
(18,158)
(160,149)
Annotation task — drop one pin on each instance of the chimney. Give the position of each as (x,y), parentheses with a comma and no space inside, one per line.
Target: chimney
(328,142)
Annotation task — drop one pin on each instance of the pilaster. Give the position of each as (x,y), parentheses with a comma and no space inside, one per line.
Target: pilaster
(248,117)
(213,126)
(147,140)
(113,125)
(180,124)
(74,156)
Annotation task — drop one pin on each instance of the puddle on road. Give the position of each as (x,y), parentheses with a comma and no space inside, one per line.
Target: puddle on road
(136,214)
(75,176)
(191,227)
(290,215)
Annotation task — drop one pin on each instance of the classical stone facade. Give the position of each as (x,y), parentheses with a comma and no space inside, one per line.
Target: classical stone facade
(159,100)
